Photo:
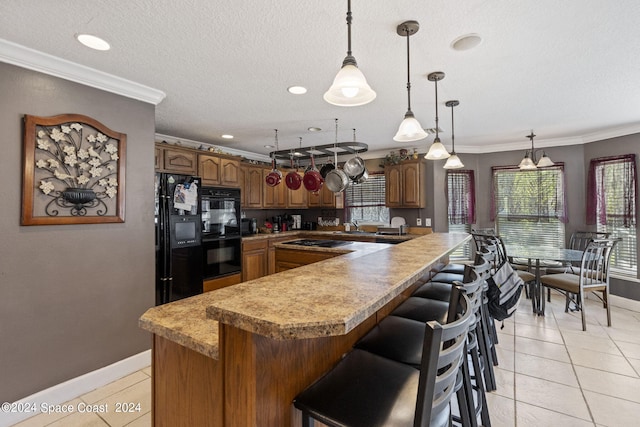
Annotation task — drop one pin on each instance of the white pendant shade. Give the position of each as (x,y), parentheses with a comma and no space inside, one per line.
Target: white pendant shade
(349,88)
(410,130)
(453,162)
(527,164)
(437,151)
(544,161)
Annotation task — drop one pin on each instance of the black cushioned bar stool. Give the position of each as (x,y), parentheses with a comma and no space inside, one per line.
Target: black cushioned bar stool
(368,390)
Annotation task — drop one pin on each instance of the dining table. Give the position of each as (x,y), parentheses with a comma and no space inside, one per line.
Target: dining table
(535,256)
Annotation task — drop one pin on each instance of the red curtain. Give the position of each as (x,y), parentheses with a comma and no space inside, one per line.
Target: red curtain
(611,190)
(461,193)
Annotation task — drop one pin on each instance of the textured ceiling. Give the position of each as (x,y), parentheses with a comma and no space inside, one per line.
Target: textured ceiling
(567,69)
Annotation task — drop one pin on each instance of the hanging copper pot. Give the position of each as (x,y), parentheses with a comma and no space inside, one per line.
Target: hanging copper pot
(312,179)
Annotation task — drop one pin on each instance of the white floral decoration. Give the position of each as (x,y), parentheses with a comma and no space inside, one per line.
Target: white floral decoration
(76,126)
(42,134)
(111,192)
(83,154)
(82,179)
(57,135)
(70,160)
(95,171)
(41,164)
(110,148)
(113,182)
(65,129)
(102,138)
(43,144)
(102,182)
(84,166)
(91,138)
(53,164)
(95,162)
(46,187)
(114,156)
(69,150)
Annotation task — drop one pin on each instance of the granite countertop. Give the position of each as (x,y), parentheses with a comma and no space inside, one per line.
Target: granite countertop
(327,235)
(330,297)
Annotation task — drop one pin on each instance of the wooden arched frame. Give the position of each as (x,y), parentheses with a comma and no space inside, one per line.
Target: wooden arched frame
(73,171)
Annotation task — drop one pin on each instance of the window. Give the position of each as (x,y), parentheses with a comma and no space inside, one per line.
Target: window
(529,206)
(365,202)
(611,205)
(461,204)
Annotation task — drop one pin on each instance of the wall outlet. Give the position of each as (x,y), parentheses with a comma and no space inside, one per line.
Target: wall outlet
(427,222)
(418,222)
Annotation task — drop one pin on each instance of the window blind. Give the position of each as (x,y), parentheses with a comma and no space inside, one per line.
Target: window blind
(461,207)
(529,206)
(365,201)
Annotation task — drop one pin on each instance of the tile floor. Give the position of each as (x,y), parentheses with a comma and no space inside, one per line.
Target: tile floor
(551,373)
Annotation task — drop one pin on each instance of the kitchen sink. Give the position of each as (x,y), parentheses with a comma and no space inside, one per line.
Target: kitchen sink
(366,233)
(318,243)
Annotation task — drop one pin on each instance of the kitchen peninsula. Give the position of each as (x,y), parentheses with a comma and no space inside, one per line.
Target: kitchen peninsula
(237,356)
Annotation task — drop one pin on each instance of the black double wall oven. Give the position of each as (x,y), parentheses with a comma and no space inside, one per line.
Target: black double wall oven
(221,234)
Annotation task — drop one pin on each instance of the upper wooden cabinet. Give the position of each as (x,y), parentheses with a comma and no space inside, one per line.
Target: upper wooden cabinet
(324,198)
(178,161)
(216,170)
(296,198)
(404,185)
(251,185)
(273,197)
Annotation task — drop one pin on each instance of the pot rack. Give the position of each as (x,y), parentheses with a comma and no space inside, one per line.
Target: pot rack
(305,153)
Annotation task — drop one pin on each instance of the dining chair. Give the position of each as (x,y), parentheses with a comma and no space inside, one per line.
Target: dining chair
(368,390)
(578,241)
(592,276)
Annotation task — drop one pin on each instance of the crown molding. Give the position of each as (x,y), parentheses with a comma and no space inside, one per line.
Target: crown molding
(31,59)
(196,144)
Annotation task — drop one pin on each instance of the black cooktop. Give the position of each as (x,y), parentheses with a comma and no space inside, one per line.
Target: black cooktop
(319,243)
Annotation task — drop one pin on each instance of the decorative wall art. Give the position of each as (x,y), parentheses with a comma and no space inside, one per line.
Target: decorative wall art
(74,171)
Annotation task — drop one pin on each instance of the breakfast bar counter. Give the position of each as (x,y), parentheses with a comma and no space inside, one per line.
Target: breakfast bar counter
(237,356)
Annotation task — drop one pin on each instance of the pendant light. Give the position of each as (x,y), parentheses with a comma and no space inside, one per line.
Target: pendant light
(437,150)
(410,129)
(350,87)
(453,162)
(529,160)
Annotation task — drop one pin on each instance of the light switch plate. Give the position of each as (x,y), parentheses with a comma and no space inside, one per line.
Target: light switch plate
(419,222)
(427,222)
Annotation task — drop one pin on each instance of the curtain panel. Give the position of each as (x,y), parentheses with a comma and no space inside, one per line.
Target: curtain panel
(461,195)
(612,191)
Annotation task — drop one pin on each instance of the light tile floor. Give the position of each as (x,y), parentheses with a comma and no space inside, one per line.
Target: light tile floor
(551,373)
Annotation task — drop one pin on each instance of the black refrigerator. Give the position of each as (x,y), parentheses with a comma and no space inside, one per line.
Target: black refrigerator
(178,221)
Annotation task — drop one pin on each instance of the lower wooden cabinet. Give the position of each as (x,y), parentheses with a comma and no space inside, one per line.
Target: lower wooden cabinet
(254,259)
(286,259)
(222,282)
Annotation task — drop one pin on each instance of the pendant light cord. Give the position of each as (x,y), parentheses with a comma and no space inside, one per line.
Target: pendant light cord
(408,73)
(349,18)
(437,134)
(453,143)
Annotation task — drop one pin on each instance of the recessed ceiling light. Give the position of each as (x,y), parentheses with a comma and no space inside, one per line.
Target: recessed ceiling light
(93,42)
(227,136)
(269,146)
(314,129)
(466,42)
(297,90)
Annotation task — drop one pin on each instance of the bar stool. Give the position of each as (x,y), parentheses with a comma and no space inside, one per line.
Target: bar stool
(368,390)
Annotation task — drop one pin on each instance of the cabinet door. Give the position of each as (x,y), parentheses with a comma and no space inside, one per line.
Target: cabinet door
(230,172)
(314,199)
(297,198)
(412,186)
(393,186)
(179,161)
(328,197)
(252,187)
(273,197)
(209,169)
(254,264)
(158,158)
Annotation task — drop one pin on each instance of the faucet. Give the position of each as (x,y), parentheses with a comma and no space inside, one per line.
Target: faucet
(355,223)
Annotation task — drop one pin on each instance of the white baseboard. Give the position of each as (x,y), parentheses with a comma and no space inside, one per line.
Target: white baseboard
(78,386)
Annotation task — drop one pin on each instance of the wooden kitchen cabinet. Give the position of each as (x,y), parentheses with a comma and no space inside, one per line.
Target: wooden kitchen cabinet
(324,198)
(273,197)
(297,199)
(217,170)
(404,185)
(177,160)
(158,158)
(286,259)
(255,263)
(251,184)
(271,256)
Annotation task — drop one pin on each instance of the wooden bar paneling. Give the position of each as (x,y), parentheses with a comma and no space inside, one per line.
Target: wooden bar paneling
(187,387)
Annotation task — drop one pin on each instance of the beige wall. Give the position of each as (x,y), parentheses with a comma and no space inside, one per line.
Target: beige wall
(71,294)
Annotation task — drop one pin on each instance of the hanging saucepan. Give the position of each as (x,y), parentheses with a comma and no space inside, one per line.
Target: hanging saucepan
(326,168)
(293,179)
(274,177)
(337,181)
(362,178)
(354,167)
(312,179)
